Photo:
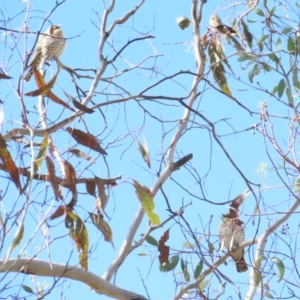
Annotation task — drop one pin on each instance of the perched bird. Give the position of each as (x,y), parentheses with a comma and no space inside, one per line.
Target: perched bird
(50,45)
(216,23)
(232,233)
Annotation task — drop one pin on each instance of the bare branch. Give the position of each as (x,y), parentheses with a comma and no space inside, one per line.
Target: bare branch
(47,269)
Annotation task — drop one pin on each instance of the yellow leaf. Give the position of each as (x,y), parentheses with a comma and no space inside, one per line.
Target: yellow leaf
(18,237)
(41,154)
(224,87)
(79,234)
(146,198)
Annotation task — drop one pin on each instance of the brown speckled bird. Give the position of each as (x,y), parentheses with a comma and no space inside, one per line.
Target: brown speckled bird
(232,233)
(216,23)
(50,45)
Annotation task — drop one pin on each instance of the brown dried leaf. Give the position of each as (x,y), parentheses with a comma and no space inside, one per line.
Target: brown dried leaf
(61,210)
(70,178)
(9,164)
(4,76)
(81,154)
(45,89)
(86,139)
(78,105)
(103,227)
(90,186)
(102,198)
(163,249)
(57,100)
(51,177)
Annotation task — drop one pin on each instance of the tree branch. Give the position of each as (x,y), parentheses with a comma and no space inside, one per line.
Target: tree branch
(47,269)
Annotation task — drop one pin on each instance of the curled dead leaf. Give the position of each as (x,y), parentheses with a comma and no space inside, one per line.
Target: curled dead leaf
(9,164)
(103,227)
(78,105)
(86,139)
(51,177)
(102,198)
(163,249)
(81,154)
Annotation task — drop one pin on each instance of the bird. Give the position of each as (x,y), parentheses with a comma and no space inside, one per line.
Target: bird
(216,23)
(50,45)
(232,233)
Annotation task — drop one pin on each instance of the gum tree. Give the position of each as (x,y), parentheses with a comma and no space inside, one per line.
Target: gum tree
(208,126)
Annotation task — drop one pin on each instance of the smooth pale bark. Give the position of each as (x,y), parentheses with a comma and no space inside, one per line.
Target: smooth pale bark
(45,268)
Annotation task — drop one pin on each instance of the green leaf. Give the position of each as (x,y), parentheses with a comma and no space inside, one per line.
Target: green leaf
(247,33)
(185,271)
(27,289)
(257,262)
(237,45)
(166,267)
(274,90)
(286,30)
(298,185)
(187,276)
(41,154)
(266,67)
(281,87)
(280,266)
(198,269)
(221,54)
(18,237)
(182,265)
(188,245)
(279,44)
(273,10)
(298,42)
(290,97)
(261,40)
(142,254)
(268,295)
(291,45)
(274,58)
(259,11)
(255,71)
(257,277)
(245,56)
(204,284)
(151,240)
(233,24)
(296,82)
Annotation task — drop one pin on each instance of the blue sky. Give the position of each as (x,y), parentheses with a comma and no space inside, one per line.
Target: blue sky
(121,123)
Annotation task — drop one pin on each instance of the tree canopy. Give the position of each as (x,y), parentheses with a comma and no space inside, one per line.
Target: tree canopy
(123,154)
